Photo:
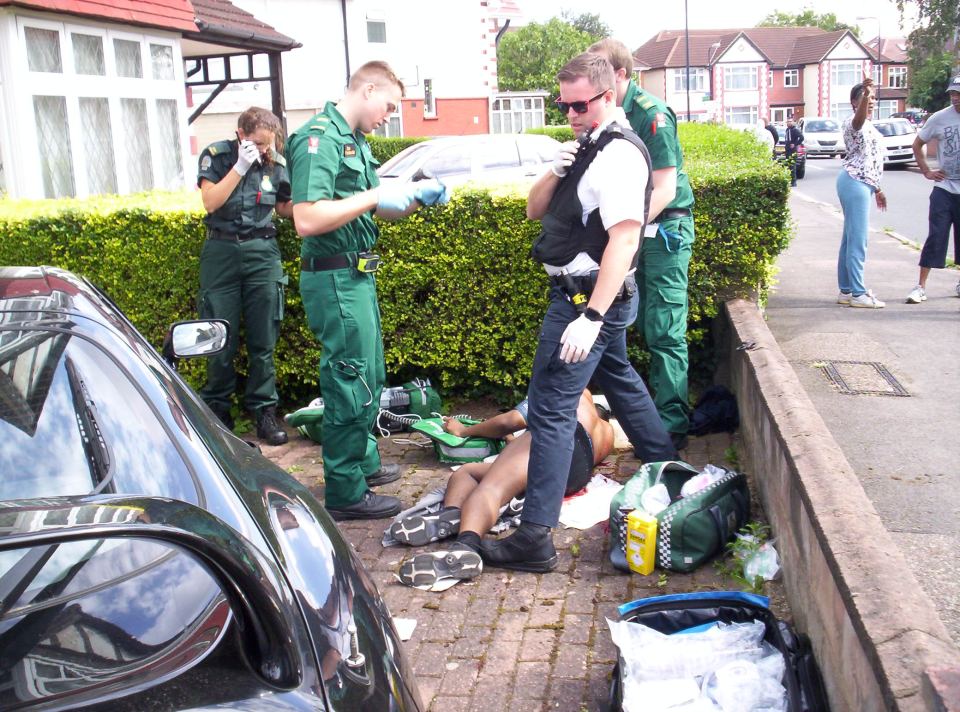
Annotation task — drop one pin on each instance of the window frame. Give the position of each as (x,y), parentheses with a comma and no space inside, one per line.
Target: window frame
(74,87)
(698,79)
(793,74)
(897,77)
(747,71)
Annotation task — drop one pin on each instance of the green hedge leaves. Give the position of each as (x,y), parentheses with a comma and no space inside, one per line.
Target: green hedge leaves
(461,300)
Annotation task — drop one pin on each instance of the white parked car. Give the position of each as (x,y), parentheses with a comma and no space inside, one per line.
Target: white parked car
(497,158)
(898,136)
(822,136)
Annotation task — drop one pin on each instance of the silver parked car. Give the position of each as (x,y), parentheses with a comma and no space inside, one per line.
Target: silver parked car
(898,136)
(489,158)
(822,136)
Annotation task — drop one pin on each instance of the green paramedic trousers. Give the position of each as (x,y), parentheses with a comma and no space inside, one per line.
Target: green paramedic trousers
(343,314)
(242,281)
(662,319)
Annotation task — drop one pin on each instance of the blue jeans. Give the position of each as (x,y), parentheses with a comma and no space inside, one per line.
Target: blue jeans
(855,198)
(554,392)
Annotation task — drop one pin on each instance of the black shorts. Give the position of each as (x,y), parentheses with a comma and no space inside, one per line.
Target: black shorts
(581,464)
(944,213)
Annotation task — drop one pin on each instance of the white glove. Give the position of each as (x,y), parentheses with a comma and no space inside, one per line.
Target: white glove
(578,338)
(247,155)
(564,158)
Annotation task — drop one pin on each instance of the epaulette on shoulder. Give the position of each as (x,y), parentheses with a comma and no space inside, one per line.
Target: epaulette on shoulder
(218,147)
(279,159)
(644,103)
(319,124)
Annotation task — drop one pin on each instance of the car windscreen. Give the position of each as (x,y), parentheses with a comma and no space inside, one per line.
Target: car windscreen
(404,162)
(893,128)
(820,126)
(72,422)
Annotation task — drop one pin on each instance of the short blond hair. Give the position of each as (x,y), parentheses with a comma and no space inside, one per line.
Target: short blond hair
(616,53)
(377,73)
(595,67)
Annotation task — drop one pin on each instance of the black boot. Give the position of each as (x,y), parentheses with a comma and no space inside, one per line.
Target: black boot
(268,426)
(530,548)
(385,475)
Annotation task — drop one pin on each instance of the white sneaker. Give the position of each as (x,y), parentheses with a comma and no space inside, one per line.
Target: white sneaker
(867,301)
(917,295)
(843,298)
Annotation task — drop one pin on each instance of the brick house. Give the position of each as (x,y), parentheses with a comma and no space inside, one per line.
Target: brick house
(740,76)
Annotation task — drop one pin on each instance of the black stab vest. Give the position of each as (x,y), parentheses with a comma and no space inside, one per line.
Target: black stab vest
(563,235)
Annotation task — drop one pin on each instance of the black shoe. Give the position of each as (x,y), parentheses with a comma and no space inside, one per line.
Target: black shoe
(370,506)
(457,562)
(417,530)
(530,548)
(679,440)
(269,428)
(385,475)
(223,413)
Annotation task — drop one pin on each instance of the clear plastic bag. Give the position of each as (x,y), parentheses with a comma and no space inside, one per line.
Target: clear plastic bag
(708,475)
(659,669)
(765,562)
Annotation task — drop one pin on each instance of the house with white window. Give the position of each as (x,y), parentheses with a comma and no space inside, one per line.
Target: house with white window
(738,77)
(444,53)
(92,94)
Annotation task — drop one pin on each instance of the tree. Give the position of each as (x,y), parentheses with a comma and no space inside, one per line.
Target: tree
(808,18)
(587,22)
(934,51)
(529,59)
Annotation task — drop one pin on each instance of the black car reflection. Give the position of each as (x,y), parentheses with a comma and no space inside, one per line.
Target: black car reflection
(149,559)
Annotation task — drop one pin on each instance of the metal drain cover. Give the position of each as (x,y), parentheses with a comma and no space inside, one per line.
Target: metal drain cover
(862,378)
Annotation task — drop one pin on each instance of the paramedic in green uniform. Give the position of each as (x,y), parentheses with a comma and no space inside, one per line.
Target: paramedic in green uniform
(667,244)
(336,193)
(242,182)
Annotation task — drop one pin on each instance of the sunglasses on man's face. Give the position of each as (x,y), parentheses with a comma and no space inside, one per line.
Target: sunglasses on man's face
(579,106)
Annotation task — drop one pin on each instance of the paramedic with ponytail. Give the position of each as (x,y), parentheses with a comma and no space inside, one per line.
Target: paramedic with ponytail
(336,193)
(591,227)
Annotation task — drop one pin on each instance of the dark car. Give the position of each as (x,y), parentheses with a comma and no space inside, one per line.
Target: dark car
(914,116)
(780,153)
(149,558)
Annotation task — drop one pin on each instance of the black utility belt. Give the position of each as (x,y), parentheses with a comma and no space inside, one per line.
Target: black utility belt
(579,289)
(669,213)
(261,234)
(363,261)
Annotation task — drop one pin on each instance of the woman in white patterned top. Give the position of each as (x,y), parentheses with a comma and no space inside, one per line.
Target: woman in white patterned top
(863,166)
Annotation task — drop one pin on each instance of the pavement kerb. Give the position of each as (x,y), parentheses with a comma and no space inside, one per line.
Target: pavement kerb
(874,631)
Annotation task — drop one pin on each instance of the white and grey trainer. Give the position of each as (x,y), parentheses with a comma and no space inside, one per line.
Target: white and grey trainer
(417,530)
(459,562)
(867,301)
(844,298)
(917,294)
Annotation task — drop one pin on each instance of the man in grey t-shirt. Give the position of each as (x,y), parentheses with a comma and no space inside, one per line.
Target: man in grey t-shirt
(944,126)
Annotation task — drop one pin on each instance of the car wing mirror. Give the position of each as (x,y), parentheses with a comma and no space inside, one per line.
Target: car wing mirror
(189,339)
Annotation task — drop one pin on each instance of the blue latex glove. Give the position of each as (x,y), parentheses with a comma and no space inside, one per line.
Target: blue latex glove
(396,196)
(431,192)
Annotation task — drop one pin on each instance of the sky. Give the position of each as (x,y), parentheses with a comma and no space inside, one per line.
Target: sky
(635,22)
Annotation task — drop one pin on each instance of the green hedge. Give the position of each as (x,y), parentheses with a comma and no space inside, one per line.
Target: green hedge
(461,299)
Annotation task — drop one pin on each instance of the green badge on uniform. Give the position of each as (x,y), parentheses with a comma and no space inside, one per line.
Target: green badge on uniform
(265,185)
(349,151)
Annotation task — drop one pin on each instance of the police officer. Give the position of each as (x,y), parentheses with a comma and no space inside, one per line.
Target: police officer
(792,140)
(335,194)
(591,225)
(243,182)
(667,245)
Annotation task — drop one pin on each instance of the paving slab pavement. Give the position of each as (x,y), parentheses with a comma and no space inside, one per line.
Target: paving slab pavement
(513,640)
(904,448)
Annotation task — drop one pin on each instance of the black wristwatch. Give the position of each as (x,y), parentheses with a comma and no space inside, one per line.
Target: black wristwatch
(593,315)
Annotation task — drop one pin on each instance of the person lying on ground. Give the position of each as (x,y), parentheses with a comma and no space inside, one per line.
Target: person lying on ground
(477,491)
